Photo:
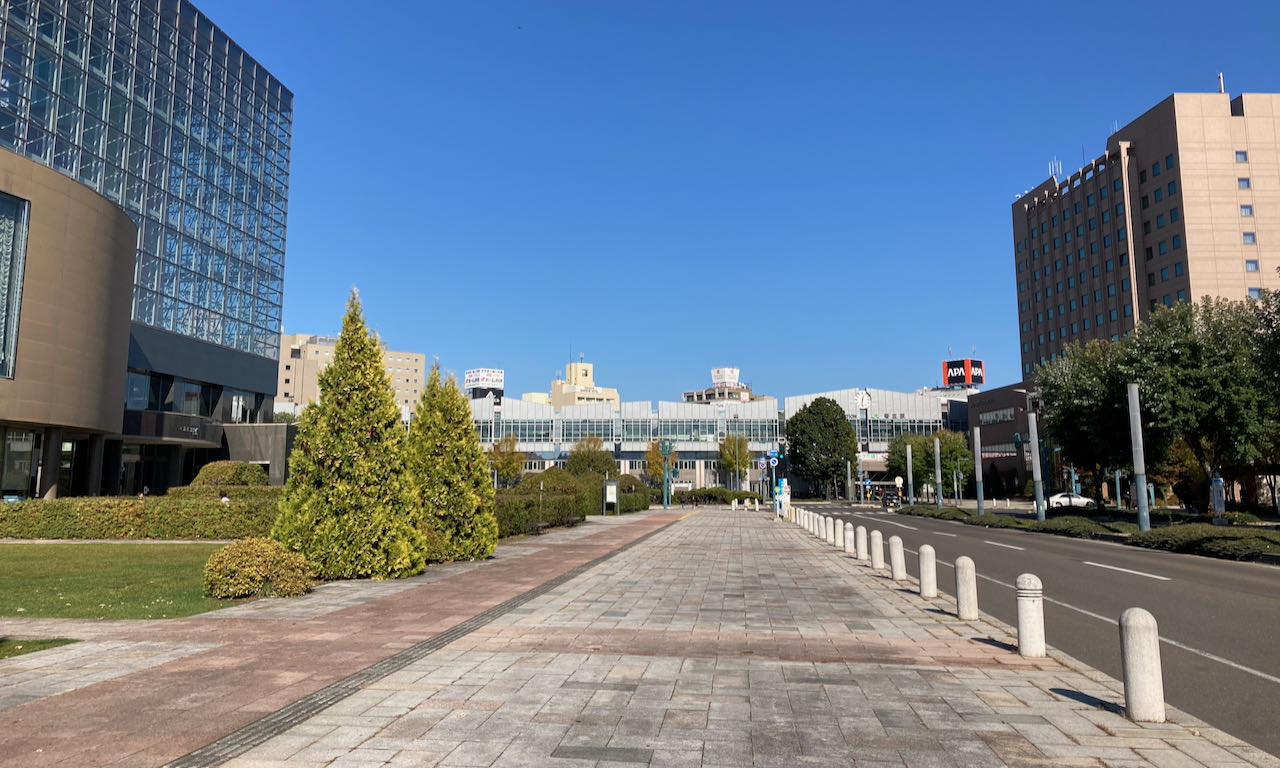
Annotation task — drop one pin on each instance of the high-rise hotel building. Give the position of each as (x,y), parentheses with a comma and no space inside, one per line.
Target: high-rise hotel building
(145,109)
(1184,203)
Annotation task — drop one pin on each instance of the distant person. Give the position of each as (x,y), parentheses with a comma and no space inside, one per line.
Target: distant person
(225,498)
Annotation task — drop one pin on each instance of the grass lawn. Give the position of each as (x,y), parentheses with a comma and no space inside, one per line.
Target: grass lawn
(104,581)
(10,648)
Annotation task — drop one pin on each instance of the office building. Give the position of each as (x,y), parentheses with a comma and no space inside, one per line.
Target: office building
(578,387)
(149,105)
(724,386)
(303,357)
(1184,203)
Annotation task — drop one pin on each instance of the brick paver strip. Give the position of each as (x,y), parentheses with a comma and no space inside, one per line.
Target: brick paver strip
(265,667)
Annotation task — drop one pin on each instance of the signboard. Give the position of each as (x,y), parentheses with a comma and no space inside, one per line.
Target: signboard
(773,454)
(764,463)
(490,378)
(724,376)
(773,462)
(963,372)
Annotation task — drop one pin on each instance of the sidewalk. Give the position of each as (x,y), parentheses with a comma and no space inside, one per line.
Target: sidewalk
(723,639)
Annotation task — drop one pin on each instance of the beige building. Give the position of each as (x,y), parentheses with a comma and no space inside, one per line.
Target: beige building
(1184,203)
(724,386)
(578,387)
(302,357)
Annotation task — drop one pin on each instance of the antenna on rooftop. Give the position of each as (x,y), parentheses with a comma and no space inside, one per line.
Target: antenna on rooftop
(1221,87)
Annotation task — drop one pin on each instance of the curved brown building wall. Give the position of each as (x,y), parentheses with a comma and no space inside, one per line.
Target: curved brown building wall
(73,326)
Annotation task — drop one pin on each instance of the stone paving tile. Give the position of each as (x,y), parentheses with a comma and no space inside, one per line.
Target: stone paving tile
(726,640)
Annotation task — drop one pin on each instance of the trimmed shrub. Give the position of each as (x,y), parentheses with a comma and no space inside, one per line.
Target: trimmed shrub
(1121,526)
(183,513)
(991,520)
(1070,525)
(710,496)
(1246,548)
(946,513)
(219,473)
(631,484)
(260,567)
(1209,540)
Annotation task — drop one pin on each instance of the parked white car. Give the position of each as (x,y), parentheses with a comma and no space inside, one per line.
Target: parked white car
(1071,500)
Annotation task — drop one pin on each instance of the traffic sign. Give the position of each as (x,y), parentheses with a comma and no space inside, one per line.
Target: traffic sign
(773,454)
(898,481)
(867,483)
(773,462)
(764,463)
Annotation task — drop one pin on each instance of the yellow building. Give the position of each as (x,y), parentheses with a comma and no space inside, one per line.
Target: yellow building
(303,356)
(578,387)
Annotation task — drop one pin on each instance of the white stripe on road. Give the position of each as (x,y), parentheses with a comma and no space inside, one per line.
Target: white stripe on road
(1113,622)
(940,533)
(1006,546)
(890,522)
(1126,570)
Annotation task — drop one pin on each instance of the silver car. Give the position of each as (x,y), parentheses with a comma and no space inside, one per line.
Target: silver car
(1071,500)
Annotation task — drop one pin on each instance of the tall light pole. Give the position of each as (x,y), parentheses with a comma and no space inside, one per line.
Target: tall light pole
(666,448)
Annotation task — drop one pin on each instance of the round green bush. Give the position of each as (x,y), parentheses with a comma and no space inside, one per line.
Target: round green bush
(256,567)
(231,473)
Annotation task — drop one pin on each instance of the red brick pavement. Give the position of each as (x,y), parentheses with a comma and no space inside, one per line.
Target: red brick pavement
(159,714)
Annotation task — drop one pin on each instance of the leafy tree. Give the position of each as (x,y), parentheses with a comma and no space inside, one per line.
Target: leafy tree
(921,458)
(589,455)
(956,457)
(1199,369)
(347,505)
(653,460)
(821,442)
(507,460)
(1086,409)
(450,474)
(735,457)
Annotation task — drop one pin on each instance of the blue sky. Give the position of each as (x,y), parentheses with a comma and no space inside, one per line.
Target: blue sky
(815,192)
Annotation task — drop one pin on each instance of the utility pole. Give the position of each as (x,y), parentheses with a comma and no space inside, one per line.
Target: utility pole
(1035,465)
(977,465)
(1139,459)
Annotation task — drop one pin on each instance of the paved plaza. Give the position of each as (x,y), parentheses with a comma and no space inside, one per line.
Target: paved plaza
(686,638)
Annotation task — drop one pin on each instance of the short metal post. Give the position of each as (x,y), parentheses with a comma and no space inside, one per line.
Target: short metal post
(848,539)
(840,535)
(860,543)
(1140,664)
(1030,616)
(897,561)
(877,550)
(928,572)
(966,588)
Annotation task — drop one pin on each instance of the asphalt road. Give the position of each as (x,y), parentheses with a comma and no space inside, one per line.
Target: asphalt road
(1219,620)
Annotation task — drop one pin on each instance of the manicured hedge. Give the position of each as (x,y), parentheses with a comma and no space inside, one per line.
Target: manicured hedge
(1210,540)
(255,566)
(184,513)
(993,520)
(946,513)
(710,496)
(1070,525)
(220,473)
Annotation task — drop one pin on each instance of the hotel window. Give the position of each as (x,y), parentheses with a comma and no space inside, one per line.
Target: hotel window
(1251,265)
(1151,278)
(1086,323)
(1250,238)
(1146,227)
(1168,161)
(1242,182)
(13,249)
(1122,233)
(1164,274)
(1097,295)
(1182,294)
(1146,201)
(1106,241)
(1173,187)
(1110,265)
(1098,320)
(1160,221)
(1111,289)
(1093,247)
(1242,156)
(1142,177)
(1077,208)
(1090,201)
(1177,268)
(1177,241)
(1162,247)
(1124,259)
(1106,216)
(1159,195)
(1255,293)
(1155,169)
(1173,214)
(1168,302)
(1246,210)
(1120,209)
(1119,185)
(1093,223)
(1124,285)
(1111,315)
(1128,310)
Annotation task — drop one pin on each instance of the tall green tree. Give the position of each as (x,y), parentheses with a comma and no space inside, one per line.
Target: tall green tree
(921,459)
(820,442)
(735,458)
(589,455)
(654,462)
(450,474)
(507,460)
(1086,411)
(347,505)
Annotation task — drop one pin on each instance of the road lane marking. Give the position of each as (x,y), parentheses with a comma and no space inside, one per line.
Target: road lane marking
(889,522)
(1006,546)
(1113,622)
(940,533)
(1126,570)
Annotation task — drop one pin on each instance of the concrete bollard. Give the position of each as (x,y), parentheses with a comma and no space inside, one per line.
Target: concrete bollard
(1030,616)
(1140,665)
(735,505)
(848,539)
(966,588)
(897,560)
(860,543)
(831,531)
(756,504)
(928,572)
(877,550)
(840,535)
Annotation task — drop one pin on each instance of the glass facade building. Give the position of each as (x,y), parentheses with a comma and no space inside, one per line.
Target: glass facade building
(151,105)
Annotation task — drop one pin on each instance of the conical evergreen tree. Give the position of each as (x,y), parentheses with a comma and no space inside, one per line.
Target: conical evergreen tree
(347,505)
(450,474)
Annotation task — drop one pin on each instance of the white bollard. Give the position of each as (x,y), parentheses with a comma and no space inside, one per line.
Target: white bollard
(928,572)
(1140,665)
(840,535)
(877,550)
(848,539)
(735,505)
(897,560)
(860,543)
(966,588)
(831,531)
(756,502)
(1030,616)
